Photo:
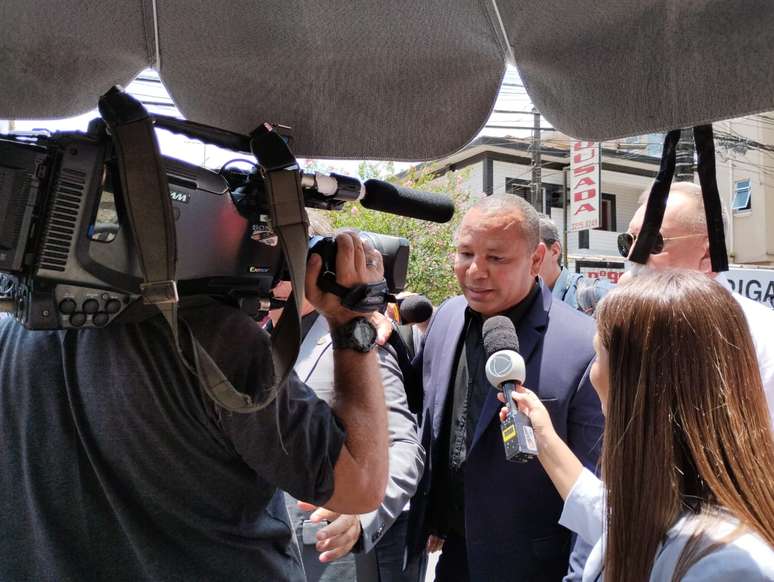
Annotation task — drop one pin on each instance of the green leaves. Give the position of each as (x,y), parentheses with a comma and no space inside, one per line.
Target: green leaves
(432,245)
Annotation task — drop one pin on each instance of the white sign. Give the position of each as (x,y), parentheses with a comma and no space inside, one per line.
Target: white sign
(755,284)
(585,186)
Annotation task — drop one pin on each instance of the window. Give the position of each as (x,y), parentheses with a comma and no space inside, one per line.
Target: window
(742,195)
(518,187)
(552,193)
(654,144)
(583,239)
(607,215)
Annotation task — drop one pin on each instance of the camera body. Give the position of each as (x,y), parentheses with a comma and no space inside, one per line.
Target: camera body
(67,255)
(394,251)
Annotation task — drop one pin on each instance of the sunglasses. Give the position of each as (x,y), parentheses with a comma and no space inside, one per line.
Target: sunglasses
(626,242)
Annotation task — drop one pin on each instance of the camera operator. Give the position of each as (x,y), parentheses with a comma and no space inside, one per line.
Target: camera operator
(118,467)
(336,546)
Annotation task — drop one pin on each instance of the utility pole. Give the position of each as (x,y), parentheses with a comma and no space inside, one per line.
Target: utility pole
(536,185)
(684,156)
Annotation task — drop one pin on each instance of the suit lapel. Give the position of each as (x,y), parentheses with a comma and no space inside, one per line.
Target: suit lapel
(530,332)
(442,353)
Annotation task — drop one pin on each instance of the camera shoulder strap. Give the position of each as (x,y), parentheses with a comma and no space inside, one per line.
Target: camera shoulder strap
(657,200)
(149,209)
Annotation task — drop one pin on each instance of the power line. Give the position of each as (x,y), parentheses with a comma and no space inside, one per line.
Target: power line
(518,127)
(511,111)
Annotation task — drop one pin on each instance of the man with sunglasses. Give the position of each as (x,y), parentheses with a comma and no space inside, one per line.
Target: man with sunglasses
(683,243)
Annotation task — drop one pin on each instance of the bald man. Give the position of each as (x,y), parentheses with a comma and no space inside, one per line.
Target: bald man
(684,244)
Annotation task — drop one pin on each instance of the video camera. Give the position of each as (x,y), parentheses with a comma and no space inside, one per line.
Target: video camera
(67,258)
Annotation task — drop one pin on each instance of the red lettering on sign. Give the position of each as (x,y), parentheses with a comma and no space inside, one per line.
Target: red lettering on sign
(583,157)
(582,145)
(584,195)
(585,181)
(585,208)
(612,276)
(580,170)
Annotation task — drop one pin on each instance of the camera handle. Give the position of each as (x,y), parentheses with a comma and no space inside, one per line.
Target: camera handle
(149,209)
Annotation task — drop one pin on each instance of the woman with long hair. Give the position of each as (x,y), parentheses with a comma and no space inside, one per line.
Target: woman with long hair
(687,490)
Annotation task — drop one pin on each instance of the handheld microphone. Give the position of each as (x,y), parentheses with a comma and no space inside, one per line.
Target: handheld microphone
(415,309)
(505,370)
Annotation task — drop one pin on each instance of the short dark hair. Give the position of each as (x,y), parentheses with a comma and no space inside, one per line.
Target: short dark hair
(499,204)
(549,234)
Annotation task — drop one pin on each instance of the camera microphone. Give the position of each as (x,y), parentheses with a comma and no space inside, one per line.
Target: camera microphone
(415,309)
(381,196)
(387,197)
(505,370)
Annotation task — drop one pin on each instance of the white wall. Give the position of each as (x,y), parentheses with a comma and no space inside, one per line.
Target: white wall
(750,238)
(475,178)
(601,243)
(626,188)
(473,182)
(625,206)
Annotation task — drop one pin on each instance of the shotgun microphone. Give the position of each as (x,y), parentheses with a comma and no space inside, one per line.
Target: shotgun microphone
(505,370)
(387,197)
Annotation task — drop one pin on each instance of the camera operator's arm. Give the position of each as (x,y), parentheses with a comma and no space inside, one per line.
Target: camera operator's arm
(361,470)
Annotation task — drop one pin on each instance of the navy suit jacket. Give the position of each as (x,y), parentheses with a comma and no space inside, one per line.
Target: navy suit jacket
(512,509)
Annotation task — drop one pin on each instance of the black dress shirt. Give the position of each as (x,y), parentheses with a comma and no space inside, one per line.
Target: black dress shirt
(462,412)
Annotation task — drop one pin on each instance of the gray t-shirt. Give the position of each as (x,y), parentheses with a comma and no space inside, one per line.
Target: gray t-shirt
(116,467)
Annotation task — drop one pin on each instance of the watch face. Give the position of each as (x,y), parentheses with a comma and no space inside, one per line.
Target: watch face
(358,334)
(364,333)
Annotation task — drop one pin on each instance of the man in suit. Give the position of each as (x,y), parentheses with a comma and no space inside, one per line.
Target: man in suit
(496,520)
(369,547)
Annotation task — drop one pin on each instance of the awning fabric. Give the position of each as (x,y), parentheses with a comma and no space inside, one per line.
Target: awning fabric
(406,79)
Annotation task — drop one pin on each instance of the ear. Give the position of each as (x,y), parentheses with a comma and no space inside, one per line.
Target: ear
(556,251)
(705,262)
(537,259)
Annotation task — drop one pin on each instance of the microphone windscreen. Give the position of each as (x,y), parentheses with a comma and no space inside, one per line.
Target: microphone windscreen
(499,334)
(415,309)
(387,197)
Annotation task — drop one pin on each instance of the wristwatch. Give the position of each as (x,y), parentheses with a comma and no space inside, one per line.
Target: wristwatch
(359,334)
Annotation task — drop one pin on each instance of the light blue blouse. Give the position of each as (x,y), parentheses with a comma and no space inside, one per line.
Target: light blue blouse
(746,559)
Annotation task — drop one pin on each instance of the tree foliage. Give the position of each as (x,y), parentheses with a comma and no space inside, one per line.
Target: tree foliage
(432,247)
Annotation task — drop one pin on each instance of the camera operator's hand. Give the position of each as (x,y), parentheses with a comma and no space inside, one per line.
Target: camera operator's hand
(362,469)
(355,265)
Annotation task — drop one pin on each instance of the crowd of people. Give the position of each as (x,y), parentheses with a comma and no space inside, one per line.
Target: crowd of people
(653,422)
